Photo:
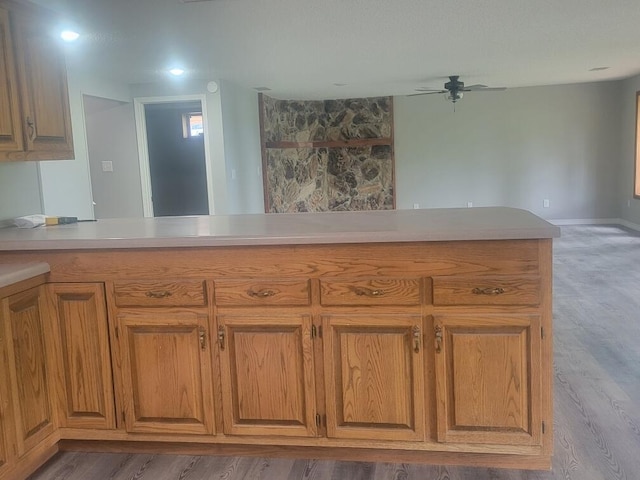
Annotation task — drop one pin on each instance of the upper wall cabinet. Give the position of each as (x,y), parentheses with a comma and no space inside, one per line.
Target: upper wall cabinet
(35,122)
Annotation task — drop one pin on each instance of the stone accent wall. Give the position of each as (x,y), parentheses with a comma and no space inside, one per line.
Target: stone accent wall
(328,155)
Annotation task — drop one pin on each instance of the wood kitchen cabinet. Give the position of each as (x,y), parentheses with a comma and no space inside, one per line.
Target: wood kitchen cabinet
(162,335)
(80,344)
(374,376)
(432,352)
(23,316)
(11,141)
(265,337)
(488,378)
(166,371)
(35,119)
(6,430)
(268,383)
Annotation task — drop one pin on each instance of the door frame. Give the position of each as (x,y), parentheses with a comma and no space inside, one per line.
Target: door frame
(143,146)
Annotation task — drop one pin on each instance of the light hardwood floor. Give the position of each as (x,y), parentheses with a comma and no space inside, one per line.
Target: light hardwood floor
(597,390)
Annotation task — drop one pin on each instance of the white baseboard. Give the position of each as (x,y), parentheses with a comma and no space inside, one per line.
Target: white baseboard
(596,221)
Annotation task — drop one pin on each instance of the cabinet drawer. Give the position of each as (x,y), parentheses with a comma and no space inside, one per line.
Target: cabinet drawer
(376,291)
(262,292)
(494,290)
(182,293)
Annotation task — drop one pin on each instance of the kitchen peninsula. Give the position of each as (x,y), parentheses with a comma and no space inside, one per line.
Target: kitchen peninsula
(400,336)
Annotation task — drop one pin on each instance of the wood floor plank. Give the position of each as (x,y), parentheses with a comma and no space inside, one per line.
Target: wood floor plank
(596,396)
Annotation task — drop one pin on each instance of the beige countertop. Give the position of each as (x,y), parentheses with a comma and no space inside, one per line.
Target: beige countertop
(11,273)
(486,223)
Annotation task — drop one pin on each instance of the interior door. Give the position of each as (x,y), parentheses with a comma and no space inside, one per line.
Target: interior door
(176,159)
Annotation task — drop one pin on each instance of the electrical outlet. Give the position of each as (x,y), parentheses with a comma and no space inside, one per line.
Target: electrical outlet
(233,174)
(545,203)
(107,166)
(469,204)
(416,206)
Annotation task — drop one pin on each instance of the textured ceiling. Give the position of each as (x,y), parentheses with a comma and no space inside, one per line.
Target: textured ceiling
(301,48)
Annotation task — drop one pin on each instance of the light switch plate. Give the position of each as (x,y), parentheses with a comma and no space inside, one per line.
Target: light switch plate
(107,166)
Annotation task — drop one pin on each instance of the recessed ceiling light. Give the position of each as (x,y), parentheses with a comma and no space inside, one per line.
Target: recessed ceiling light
(597,69)
(176,72)
(69,35)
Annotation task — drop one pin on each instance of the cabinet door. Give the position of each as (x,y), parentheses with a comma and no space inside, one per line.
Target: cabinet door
(267,374)
(42,78)
(488,379)
(10,124)
(80,342)
(374,374)
(166,368)
(23,321)
(6,432)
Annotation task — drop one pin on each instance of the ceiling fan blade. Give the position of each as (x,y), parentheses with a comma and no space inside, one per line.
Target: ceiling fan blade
(477,85)
(487,89)
(425,89)
(426,93)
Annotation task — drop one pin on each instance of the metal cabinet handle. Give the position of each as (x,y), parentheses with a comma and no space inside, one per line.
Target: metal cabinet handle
(416,338)
(203,338)
(221,335)
(488,291)
(32,129)
(158,294)
(261,293)
(367,292)
(438,330)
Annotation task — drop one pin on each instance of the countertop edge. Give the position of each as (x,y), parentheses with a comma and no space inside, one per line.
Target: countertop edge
(403,226)
(11,273)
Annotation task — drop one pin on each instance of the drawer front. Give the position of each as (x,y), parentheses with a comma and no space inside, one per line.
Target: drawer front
(494,290)
(189,293)
(262,292)
(376,291)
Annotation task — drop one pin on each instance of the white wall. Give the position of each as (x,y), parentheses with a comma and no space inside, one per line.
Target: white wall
(111,136)
(242,148)
(629,206)
(66,184)
(19,190)
(512,148)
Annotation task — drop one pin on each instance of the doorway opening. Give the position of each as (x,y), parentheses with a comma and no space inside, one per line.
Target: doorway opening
(174,159)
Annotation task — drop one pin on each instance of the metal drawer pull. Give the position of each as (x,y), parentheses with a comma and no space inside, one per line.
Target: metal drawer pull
(488,291)
(368,292)
(416,338)
(261,293)
(158,294)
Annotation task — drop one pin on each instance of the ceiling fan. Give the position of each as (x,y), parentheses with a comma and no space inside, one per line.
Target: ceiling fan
(454,89)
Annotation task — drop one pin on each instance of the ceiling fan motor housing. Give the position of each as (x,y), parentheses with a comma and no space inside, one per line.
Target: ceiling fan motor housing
(453,84)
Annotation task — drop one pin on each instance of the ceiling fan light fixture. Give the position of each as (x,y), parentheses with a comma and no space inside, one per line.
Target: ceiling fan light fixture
(453,96)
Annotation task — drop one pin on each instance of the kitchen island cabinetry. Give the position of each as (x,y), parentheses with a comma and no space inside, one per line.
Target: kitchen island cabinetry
(265,338)
(81,352)
(374,376)
(434,351)
(23,315)
(162,332)
(6,430)
(27,423)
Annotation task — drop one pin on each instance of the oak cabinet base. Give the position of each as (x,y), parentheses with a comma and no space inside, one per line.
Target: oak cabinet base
(425,352)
